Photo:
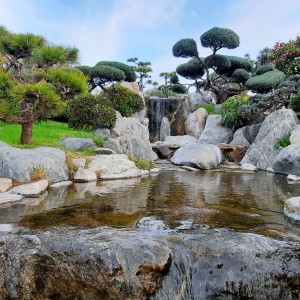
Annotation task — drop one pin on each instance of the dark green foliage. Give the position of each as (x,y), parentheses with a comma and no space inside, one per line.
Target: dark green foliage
(236,63)
(240,76)
(265,82)
(209,107)
(128,70)
(230,116)
(185,48)
(174,79)
(217,61)
(179,88)
(193,69)
(283,142)
(295,102)
(124,100)
(264,69)
(86,111)
(103,74)
(217,38)
(86,70)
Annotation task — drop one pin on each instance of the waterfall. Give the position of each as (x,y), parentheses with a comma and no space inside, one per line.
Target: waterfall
(157,109)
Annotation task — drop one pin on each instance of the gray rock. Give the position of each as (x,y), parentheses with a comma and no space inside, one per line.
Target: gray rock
(131,137)
(180,140)
(150,223)
(77,143)
(103,132)
(104,151)
(195,122)
(163,151)
(105,263)
(291,177)
(61,184)
(239,139)
(250,132)
(196,98)
(115,166)
(288,160)
(214,133)
(31,189)
(6,198)
(201,156)
(295,135)
(18,164)
(263,151)
(292,209)
(85,175)
(5,184)
(164,129)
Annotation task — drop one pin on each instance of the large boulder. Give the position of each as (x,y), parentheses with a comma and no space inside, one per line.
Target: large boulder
(263,151)
(19,164)
(131,137)
(77,144)
(196,98)
(115,166)
(292,209)
(201,156)
(239,139)
(287,161)
(195,122)
(214,133)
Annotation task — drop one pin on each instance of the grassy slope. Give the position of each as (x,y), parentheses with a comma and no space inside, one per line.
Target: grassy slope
(48,133)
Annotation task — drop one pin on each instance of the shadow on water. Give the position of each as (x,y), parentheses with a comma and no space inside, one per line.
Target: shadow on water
(243,202)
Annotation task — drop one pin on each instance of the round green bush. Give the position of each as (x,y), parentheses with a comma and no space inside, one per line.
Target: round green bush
(193,69)
(240,76)
(86,111)
(217,61)
(179,88)
(264,69)
(124,100)
(230,116)
(266,82)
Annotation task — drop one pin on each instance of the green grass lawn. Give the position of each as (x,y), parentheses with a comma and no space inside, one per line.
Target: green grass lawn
(44,133)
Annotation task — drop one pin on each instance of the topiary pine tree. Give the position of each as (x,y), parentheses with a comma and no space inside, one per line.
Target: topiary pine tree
(106,72)
(35,79)
(221,83)
(142,68)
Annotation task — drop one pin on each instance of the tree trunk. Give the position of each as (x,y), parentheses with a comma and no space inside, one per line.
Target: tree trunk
(26,135)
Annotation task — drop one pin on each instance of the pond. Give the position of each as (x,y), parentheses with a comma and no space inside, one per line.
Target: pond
(247,202)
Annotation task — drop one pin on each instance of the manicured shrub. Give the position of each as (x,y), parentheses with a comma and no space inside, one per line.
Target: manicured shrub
(193,69)
(240,76)
(86,111)
(185,48)
(179,88)
(264,69)
(124,100)
(266,82)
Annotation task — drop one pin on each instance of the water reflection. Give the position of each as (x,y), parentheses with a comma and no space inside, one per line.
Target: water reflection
(248,202)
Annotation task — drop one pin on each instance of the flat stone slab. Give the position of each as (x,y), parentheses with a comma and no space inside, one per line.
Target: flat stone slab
(61,184)
(5,184)
(292,209)
(31,189)
(293,177)
(9,198)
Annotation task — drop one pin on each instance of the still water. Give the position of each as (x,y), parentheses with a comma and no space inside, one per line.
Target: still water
(238,201)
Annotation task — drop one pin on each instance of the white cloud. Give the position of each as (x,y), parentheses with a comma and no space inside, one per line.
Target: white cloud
(261,24)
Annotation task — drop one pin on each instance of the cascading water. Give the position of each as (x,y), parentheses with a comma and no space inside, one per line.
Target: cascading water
(157,109)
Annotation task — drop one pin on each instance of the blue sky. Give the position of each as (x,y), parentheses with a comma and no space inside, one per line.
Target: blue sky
(147,29)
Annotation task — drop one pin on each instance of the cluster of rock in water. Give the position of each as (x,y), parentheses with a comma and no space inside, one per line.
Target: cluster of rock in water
(197,147)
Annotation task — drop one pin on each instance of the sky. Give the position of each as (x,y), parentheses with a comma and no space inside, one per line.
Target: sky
(147,29)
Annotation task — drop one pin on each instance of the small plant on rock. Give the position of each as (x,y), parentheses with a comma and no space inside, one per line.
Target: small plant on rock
(283,141)
(37,173)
